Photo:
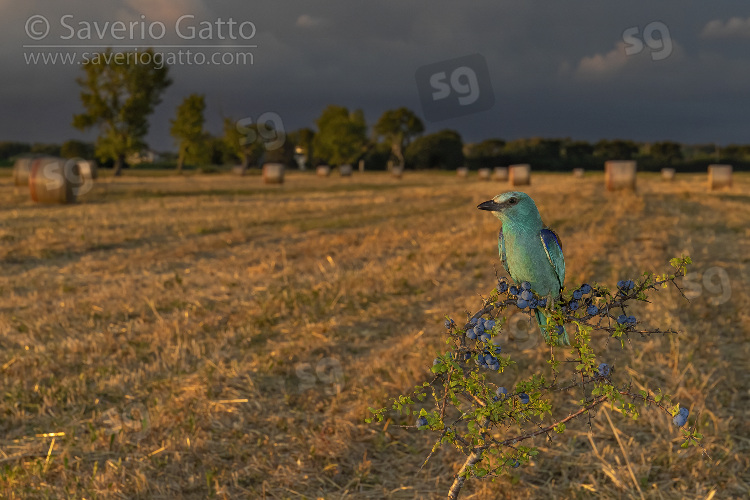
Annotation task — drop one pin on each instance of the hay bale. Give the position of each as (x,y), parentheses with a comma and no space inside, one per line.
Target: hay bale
(719,176)
(484,174)
(273,173)
(667,174)
(323,171)
(345,170)
(519,175)
(500,174)
(21,170)
(54,180)
(619,175)
(578,173)
(462,172)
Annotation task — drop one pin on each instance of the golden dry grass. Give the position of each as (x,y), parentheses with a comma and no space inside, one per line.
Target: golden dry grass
(253,325)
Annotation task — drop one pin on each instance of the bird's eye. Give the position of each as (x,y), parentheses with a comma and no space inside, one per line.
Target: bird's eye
(513,201)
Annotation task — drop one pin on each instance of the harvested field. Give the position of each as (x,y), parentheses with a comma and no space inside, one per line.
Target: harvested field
(209,335)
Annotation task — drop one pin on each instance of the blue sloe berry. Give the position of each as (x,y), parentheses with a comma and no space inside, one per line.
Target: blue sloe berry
(522,303)
(515,464)
(489,324)
(573,305)
(484,337)
(501,392)
(621,284)
(513,290)
(578,294)
(527,295)
(471,334)
(586,288)
(631,320)
(622,319)
(524,398)
(502,286)
(421,421)
(526,285)
(542,302)
(603,370)
(592,310)
(681,418)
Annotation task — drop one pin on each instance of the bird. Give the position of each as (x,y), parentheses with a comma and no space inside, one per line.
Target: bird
(529,250)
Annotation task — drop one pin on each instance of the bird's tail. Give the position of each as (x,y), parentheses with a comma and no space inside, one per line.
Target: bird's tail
(542,319)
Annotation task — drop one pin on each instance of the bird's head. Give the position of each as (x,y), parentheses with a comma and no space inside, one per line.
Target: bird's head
(511,206)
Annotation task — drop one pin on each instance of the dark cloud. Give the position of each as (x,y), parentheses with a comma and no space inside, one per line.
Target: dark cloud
(557,68)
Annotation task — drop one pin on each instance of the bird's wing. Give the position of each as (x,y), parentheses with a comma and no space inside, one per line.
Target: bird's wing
(553,248)
(501,249)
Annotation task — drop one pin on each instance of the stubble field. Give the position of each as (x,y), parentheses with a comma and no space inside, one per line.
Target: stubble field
(209,336)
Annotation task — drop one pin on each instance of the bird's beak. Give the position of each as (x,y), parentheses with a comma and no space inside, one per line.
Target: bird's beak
(490,205)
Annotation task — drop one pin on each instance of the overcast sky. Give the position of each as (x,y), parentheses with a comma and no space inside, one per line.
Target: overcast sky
(669,70)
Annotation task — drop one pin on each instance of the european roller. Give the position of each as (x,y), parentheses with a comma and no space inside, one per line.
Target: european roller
(529,250)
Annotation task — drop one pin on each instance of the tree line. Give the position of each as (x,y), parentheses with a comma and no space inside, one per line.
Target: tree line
(118,99)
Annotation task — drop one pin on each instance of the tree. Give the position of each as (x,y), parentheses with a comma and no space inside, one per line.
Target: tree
(77,149)
(442,149)
(8,149)
(667,152)
(578,153)
(119,92)
(303,139)
(241,140)
(615,150)
(342,136)
(486,154)
(187,129)
(46,149)
(398,127)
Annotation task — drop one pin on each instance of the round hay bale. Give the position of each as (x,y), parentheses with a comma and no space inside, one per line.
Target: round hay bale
(484,174)
(719,176)
(54,180)
(519,175)
(323,171)
(500,174)
(619,175)
(21,170)
(273,173)
(667,174)
(397,172)
(462,172)
(345,170)
(578,173)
